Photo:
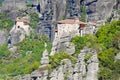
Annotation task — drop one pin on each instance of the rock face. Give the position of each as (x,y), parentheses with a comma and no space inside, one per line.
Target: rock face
(92,68)
(98,10)
(66,71)
(45,59)
(19,31)
(81,71)
(52,10)
(117,57)
(46,24)
(3,37)
(63,43)
(13,5)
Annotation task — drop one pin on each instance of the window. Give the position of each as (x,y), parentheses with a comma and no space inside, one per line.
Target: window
(18,26)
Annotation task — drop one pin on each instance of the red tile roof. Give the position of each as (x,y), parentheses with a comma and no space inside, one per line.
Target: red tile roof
(71,21)
(93,23)
(23,20)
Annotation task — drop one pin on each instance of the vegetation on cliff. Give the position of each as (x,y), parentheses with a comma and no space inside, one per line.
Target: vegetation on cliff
(56,59)
(30,52)
(83,13)
(107,41)
(34,20)
(108,38)
(4,22)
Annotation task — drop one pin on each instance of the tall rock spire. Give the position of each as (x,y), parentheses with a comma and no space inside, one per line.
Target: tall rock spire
(46,22)
(72,8)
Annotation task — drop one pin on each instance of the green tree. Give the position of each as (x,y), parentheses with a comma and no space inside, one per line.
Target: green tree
(83,13)
(79,43)
(34,20)
(105,74)
(4,22)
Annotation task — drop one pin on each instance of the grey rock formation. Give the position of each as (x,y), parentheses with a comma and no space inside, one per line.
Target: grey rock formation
(63,43)
(99,9)
(52,10)
(3,37)
(18,34)
(46,23)
(13,49)
(92,68)
(40,74)
(96,9)
(63,71)
(81,70)
(70,48)
(15,37)
(45,59)
(61,9)
(26,77)
(117,57)
(13,5)
(66,70)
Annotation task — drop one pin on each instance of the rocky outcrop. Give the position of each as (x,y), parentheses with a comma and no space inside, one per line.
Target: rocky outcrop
(13,5)
(82,70)
(63,43)
(62,71)
(19,31)
(46,27)
(52,10)
(45,59)
(3,37)
(99,9)
(117,57)
(92,68)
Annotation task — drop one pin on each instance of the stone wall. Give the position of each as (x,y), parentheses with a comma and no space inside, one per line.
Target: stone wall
(64,29)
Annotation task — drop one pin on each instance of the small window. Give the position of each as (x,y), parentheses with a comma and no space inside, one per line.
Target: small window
(18,26)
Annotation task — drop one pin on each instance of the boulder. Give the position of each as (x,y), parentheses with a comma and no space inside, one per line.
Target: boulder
(45,59)
(3,37)
(117,57)
(70,49)
(93,67)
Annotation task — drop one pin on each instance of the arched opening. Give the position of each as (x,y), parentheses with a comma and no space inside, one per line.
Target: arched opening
(18,26)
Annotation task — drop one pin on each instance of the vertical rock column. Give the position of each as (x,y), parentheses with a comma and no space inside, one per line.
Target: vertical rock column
(92,68)
(80,67)
(3,37)
(72,8)
(45,59)
(46,22)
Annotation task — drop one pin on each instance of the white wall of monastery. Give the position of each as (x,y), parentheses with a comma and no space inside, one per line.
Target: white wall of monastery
(72,29)
(21,25)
